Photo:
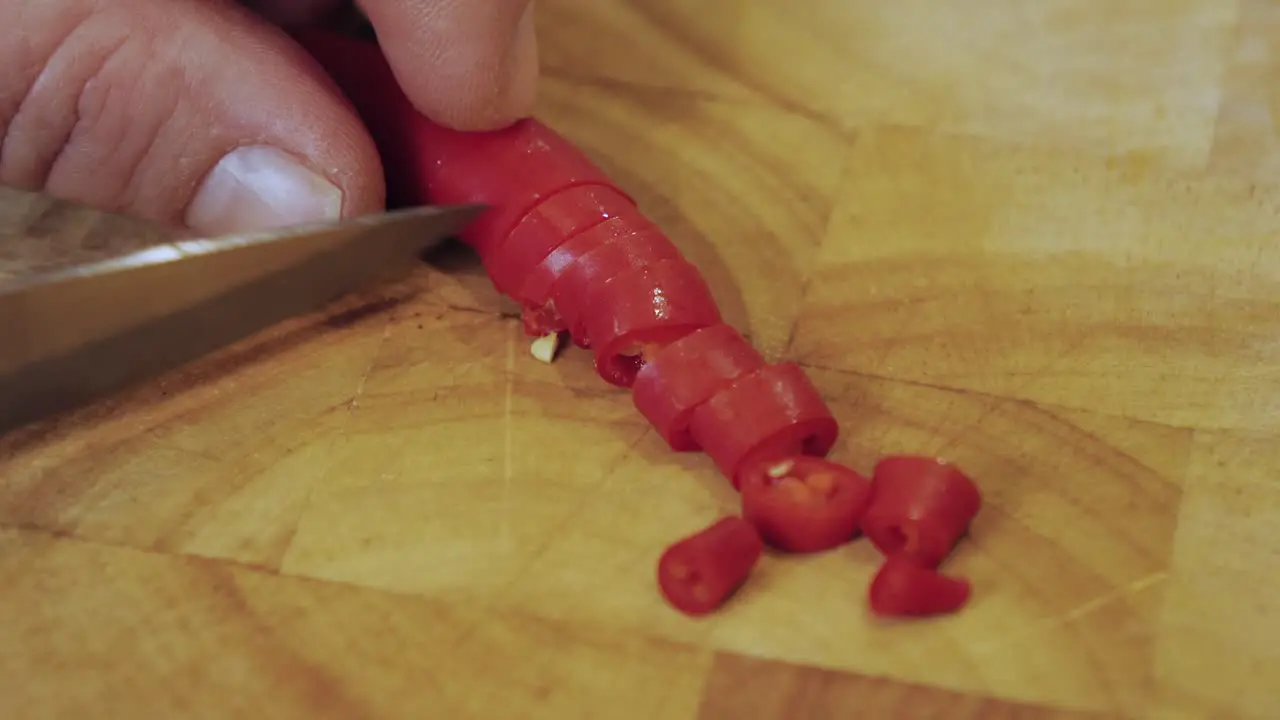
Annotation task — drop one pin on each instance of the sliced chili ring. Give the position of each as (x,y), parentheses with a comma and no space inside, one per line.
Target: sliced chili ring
(551,224)
(538,283)
(513,171)
(636,236)
(578,288)
(804,504)
(644,308)
(701,572)
(678,378)
(903,587)
(920,508)
(766,416)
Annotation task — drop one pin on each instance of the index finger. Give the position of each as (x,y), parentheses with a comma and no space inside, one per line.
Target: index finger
(466,64)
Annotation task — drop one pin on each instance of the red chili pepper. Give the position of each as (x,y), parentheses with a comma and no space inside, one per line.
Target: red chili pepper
(577,290)
(766,416)
(920,508)
(641,309)
(512,170)
(577,263)
(804,504)
(620,297)
(904,588)
(699,573)
(680,377)
(548,226)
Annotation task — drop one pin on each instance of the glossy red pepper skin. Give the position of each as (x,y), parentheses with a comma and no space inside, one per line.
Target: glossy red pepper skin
(565,282)
(905,588)
(920,508)
(578,291)
(679,378)
(701,572)
(512,170)
(804,504)
(645,307)
(549,226)
(765,416)
(538,282)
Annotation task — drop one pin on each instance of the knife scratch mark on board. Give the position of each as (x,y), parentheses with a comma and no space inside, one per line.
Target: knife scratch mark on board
(368,370)
(1118,594)
(508,395)
(584,504)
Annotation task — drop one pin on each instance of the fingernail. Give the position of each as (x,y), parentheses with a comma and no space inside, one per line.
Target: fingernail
(261,188)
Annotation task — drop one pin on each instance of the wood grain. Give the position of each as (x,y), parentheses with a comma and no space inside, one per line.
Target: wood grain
(744,688)
(1100,284)
(1036,238)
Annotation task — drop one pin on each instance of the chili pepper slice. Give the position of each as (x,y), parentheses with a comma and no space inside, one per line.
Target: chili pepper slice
(905,588)
(641,309)
(541,321)
(804,504)
(765,416)
(678,378)
(551,224)
(578,288)
(542,278)
(511,170)
(701,572)
(635,236)
(920,507)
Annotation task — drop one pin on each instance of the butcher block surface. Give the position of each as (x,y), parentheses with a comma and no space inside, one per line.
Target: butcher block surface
(1038,239)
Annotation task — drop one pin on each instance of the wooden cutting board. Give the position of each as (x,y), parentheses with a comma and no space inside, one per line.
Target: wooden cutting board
(1037,238)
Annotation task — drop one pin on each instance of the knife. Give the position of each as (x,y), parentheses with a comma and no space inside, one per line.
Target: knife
(73,332)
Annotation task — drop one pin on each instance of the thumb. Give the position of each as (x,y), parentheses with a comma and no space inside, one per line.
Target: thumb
(482,55)
(191,112)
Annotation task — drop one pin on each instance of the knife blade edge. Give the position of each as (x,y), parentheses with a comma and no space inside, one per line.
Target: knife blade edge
(65,344)
(182,249)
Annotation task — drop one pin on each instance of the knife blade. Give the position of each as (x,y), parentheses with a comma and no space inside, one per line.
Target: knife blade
(71,334)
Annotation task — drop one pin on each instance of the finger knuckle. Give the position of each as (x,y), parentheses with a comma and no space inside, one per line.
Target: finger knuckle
(34,91)
(101,95)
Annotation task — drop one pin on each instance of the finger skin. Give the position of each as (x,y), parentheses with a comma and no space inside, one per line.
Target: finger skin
(466,64)
(469,64)
(126,104)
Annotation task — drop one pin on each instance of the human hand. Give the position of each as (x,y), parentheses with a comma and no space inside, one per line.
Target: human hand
(205,114)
